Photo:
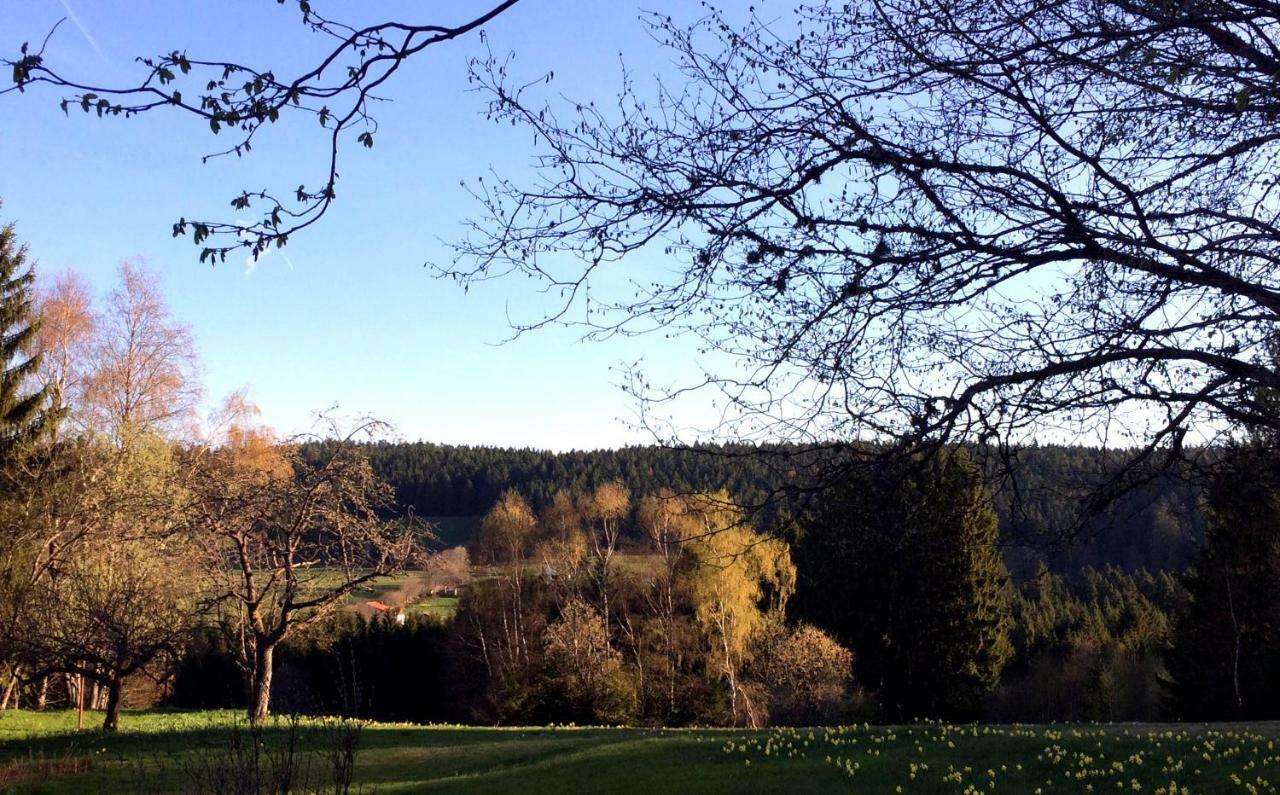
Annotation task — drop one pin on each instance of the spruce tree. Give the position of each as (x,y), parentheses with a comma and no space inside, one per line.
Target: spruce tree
(1224,662)
(901,565)
(22,418)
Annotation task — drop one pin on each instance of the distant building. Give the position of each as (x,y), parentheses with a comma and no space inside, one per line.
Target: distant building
(397,613)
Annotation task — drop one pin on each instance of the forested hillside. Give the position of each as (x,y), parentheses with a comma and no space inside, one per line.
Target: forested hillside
(1155,527)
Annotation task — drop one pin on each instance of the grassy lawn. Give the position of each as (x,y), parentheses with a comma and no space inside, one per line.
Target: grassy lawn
(443,606)
(42,754)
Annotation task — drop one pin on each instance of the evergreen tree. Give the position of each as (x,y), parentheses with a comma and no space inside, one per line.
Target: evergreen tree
(21,415)
(901,565)
(1225,658)
(21,421)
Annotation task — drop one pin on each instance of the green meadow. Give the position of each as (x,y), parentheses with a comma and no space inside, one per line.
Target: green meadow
(163,752)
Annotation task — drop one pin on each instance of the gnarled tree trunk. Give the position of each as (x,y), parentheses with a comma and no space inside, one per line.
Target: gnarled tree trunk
(260,684)
(111,722)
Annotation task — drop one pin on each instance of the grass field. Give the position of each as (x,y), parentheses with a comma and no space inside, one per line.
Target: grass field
(443,606)
(41,754)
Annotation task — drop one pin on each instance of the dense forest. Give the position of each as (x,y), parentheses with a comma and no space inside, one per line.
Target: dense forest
(1156,527)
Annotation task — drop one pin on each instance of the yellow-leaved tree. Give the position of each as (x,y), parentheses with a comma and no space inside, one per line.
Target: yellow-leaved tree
(740,580)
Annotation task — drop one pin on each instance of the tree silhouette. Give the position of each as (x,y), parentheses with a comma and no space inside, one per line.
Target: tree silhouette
(922,221)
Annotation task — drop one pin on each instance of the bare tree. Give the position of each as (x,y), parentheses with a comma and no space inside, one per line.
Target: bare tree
(668,524)
(605,509)
(289,531)
(927,221)
(245,100)
(67,326)
(142,364)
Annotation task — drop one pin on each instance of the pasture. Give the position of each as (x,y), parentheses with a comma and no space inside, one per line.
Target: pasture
(41,753)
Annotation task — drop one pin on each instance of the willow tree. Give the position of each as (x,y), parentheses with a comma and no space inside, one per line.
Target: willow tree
(737,580)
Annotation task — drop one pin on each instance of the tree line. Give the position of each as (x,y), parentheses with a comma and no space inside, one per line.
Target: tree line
(890,602)
(1155,526)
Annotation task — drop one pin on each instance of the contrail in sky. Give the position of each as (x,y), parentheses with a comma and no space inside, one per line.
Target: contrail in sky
(75,20)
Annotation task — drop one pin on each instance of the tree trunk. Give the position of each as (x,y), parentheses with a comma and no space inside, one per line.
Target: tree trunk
(42,695)
(11,688)
(260,687)
(79,689)
(111,722)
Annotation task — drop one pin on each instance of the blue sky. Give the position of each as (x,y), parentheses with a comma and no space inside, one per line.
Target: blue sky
(347,314)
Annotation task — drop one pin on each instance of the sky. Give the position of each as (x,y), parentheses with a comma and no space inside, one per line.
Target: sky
(346,315)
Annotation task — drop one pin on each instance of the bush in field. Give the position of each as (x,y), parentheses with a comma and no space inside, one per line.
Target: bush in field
(288,757)
(809,676)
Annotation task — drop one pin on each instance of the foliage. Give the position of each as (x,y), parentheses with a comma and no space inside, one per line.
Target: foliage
(1225,657)
(1090,649)
(24,418)
(107,595)
(738,579)
(584,665)
(23,415)
(903,569)
(809,676)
